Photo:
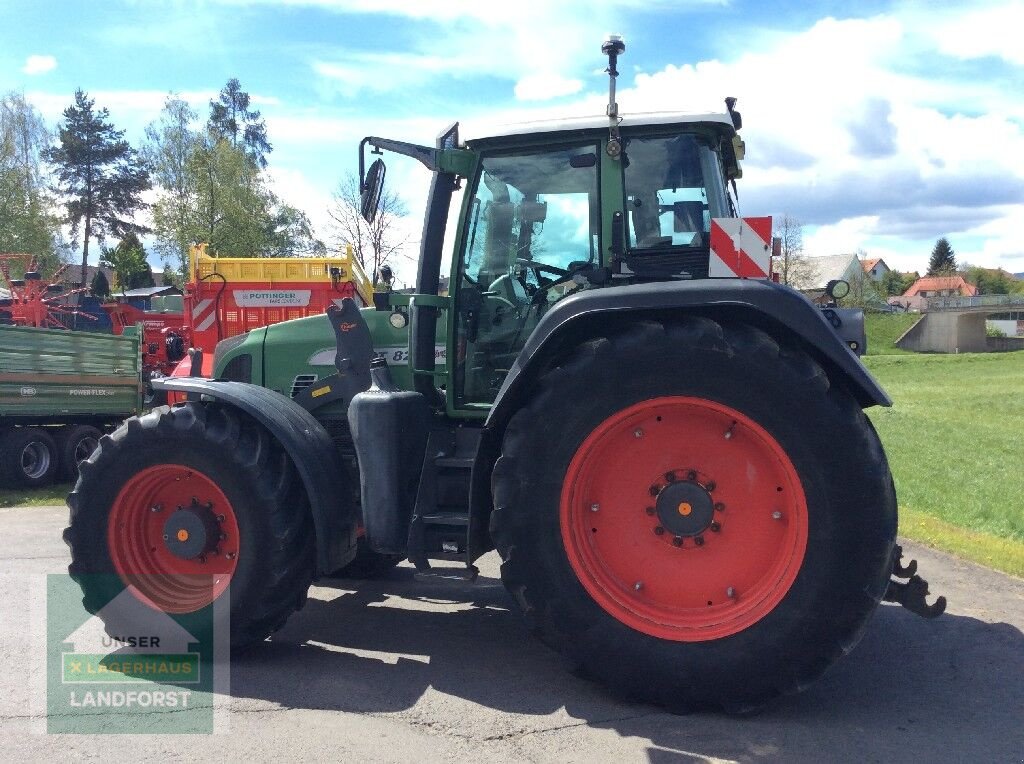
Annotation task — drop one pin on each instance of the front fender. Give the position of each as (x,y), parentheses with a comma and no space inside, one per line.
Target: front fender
(311,450)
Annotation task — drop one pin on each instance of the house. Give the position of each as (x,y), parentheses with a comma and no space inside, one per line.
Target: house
(941,286)
(816,272)
(875,268)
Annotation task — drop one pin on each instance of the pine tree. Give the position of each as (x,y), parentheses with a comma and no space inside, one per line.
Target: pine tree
(100,287)
(233,120)
(943,259)
(99,174)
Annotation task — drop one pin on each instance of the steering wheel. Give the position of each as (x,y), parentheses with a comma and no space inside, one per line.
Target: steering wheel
(543,266)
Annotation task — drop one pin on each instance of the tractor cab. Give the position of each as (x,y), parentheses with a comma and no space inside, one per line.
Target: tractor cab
(556,208)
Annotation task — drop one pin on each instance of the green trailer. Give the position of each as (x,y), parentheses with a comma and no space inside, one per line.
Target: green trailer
(59,392)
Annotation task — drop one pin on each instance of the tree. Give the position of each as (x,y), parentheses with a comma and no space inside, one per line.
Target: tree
(943,259)
(991,280)
(793,266)
(374,244)
(895,283)
(26,223)
(99,287)
(128,261)
(171,141)
(99,174)
(232,119)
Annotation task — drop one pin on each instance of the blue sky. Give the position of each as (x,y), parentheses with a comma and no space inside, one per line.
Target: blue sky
(880,125)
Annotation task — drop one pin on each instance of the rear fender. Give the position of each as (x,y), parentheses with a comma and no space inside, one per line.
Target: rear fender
(310,448)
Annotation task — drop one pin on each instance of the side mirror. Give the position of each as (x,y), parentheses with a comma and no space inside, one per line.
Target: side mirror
(370,190)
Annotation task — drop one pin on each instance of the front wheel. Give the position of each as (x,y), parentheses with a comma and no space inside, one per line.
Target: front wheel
(181,503)
(694,515)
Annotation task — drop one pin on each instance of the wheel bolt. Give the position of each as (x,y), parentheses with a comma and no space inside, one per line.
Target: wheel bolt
(710,486)
(658,530)
(670,477)
(166,537)
(719,507)
(223,536)
(220,518)
(677,541)
(654,490)
(230,555)
(595,507)
(202,558)
(715,527)
(691,475)
(638,433)
(730,593)
(156,508)
(776,515)
(698,540)
(650,510)
(638,586)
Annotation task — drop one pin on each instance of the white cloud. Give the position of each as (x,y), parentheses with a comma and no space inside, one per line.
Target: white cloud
(37,64)
(542,87)
(982,32)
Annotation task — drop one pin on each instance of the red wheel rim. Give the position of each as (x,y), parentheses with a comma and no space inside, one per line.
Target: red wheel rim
(145,527)
(684,519)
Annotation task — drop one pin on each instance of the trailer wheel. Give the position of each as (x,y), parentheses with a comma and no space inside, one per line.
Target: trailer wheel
(28,457)
(77,444)
(184,501)
(694,515)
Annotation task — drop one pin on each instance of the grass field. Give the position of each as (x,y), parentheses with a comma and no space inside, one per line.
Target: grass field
(955,441)
(883,329)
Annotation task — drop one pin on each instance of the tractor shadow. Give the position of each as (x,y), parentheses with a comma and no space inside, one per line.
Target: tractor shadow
(913,689)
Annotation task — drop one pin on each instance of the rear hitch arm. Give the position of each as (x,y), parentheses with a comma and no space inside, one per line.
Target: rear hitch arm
(912,593)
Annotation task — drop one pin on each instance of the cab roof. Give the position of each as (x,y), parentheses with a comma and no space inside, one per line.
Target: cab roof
(473,134)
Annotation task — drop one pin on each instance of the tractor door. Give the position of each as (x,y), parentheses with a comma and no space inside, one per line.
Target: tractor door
(532,223)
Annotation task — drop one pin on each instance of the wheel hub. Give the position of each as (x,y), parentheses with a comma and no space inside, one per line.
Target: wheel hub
(192,531)
(685,508)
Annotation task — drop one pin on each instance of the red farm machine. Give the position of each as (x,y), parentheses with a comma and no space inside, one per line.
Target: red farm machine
(228,296)
(32,300)
(667,450)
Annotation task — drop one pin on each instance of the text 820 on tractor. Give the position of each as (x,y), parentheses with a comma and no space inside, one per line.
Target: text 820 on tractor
(667,449)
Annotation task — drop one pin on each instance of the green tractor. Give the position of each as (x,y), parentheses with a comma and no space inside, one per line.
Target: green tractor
(667,449)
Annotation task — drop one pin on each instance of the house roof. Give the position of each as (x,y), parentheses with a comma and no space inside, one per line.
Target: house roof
(829,268)
(939,284)
(872,262)
(152,291)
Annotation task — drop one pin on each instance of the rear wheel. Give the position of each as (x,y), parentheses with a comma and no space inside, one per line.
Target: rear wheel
(693,515)
(28,457)
(182,502)
(77,444)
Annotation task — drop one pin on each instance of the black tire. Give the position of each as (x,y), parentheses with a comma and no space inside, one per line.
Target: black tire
(28,457)
(276,559)
(850,509)
(367,563)
(77,444)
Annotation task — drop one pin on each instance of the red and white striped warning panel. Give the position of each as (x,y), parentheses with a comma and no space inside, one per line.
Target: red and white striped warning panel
(203,315)
(741,247)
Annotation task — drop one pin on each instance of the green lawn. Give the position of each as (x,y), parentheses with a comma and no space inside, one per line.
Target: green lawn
(38,497)
(883,329)
(955,440)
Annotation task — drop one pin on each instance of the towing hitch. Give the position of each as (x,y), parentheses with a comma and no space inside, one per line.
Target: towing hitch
(911,594)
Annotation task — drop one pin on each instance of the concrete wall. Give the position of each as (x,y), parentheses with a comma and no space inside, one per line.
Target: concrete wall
(1002,344)
(946,333)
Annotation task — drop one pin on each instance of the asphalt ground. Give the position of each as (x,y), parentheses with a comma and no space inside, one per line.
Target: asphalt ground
(401,670)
